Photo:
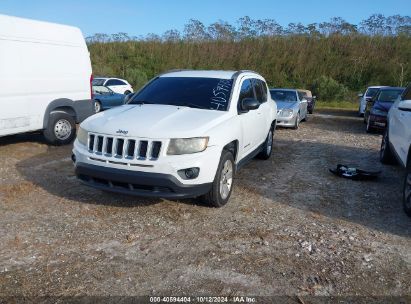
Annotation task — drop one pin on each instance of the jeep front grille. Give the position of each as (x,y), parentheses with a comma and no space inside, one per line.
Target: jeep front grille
(124,148)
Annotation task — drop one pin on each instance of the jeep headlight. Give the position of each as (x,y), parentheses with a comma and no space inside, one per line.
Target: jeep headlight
(82,136)
(180,146)
(286,113)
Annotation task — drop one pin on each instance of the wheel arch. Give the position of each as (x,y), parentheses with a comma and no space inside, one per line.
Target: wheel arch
(233,148)
(62,105)
(274,125)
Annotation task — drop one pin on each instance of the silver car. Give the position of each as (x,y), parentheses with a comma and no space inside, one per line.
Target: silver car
(364,98)
(291,107)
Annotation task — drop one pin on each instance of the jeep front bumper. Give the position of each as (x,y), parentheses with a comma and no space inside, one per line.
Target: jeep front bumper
(137,183)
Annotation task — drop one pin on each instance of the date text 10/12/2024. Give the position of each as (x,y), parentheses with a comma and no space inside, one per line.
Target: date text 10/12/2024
(203,299)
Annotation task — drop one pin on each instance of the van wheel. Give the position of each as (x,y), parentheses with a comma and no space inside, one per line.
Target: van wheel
(386,156)
(407,191)
(61,129)
(97,106)
(223,182)
(267,147)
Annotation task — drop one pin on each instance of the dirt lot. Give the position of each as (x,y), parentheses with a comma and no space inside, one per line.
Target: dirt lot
(290,228)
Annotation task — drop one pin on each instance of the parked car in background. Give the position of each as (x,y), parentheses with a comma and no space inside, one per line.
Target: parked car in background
(291,107)
(369,93)
(377,108)
(185,134)
(45,76)
(105,98)
(310,100)
(396,142)
(117,85)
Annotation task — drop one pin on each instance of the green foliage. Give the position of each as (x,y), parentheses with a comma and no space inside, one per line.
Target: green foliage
(136,77)
(327,88)
(334,59)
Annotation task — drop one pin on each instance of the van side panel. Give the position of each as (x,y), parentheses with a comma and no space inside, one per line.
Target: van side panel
(39,64)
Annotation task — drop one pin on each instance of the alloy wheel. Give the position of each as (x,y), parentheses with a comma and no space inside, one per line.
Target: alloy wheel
(97,107)
(226,179)
(270,142)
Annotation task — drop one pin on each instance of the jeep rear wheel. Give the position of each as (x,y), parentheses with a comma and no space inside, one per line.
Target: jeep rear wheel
(407,191)
(267,147)
(223,182)
(61,129)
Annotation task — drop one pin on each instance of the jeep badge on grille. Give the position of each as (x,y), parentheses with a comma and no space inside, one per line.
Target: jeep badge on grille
(122,132)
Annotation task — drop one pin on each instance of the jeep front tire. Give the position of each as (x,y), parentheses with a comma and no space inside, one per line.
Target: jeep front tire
(61,129)
(222,185)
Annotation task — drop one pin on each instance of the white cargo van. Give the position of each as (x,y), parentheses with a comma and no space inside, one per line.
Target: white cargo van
(45,79)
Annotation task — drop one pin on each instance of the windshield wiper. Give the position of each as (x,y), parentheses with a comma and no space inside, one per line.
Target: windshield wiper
(140,102)
(192,105)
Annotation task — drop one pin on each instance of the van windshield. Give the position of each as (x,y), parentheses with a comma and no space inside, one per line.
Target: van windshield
(193,92)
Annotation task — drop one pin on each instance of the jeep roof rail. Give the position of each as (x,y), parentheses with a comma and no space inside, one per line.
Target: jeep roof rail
(244,71)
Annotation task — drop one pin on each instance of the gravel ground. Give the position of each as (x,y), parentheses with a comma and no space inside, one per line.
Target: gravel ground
(290,228)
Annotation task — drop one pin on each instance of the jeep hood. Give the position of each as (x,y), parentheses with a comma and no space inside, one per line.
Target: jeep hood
(155,121)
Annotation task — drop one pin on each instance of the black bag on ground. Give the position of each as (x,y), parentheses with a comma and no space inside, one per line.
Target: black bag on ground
(354,173)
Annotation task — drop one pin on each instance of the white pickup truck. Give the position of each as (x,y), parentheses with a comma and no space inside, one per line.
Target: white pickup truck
(185,134)
(396,142)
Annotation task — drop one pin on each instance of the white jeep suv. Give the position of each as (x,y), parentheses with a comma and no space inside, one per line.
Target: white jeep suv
(396,142)
(184,134)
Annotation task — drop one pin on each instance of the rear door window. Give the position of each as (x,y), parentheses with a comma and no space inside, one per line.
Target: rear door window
(114,82)
(260,90)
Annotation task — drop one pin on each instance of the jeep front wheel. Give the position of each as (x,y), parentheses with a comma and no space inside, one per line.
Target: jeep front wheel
(223,182)
(61,129)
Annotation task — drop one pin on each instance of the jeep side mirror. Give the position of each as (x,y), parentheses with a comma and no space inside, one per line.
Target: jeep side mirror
(405,105)
(360,95)
(128,97)
(248,104)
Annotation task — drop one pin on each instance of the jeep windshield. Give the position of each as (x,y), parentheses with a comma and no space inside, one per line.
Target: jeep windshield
(193,92)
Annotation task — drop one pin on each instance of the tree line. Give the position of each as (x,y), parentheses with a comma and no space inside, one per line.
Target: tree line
(334,59)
